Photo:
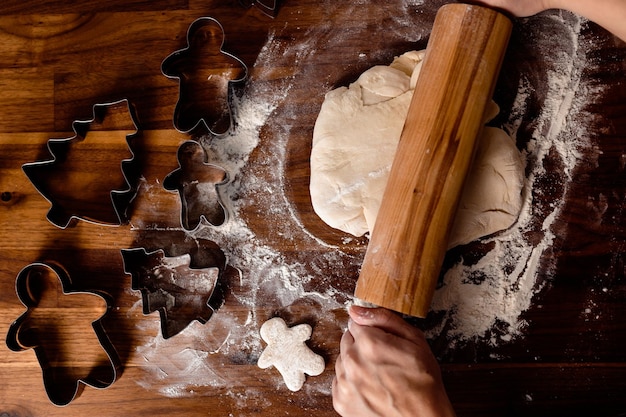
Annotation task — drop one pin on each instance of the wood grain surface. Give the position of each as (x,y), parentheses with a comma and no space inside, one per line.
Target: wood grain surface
(58,59)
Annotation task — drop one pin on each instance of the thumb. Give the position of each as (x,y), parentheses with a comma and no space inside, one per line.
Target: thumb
(385,320)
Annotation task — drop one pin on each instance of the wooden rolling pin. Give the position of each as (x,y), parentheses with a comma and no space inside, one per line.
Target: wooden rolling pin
(407,246)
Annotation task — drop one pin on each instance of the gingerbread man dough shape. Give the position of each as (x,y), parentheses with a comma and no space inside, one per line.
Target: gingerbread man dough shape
(287,351)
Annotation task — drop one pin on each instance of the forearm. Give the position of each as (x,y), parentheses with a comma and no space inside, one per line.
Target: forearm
(610,14)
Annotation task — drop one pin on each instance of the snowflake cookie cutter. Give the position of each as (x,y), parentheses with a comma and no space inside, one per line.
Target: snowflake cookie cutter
(205,73)
(196,182)
(76,193)
(63,376)
(171,286)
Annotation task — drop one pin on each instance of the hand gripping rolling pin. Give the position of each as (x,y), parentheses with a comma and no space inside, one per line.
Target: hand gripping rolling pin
(407,246)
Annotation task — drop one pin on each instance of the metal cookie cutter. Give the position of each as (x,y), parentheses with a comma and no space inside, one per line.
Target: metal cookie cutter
(47,328)
(169,285)
(269,7)
(85,179)
(205,73)
(196,182)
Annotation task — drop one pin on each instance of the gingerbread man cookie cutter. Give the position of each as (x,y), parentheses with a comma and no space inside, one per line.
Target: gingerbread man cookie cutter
(205,73)
(197,182)
(63,380)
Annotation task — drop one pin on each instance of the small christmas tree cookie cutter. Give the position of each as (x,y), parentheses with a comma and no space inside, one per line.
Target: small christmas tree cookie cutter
(66,191)
(21,337)
(205,72)
(171,286)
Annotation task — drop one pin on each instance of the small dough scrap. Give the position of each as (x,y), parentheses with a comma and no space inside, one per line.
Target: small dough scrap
(287,351)
(354,143)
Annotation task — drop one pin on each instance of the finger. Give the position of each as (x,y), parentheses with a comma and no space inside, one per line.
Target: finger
(347,340)
(339,398)
(336,395)
(340,389)
(339,372)
(385,320)
(339,368)
(334,389)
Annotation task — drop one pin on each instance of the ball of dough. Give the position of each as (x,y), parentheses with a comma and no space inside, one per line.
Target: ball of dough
(354,143)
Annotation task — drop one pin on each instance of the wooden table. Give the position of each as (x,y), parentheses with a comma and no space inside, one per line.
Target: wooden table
(58,59)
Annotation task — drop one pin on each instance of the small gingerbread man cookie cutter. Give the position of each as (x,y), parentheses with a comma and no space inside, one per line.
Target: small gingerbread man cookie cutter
(288,352)
(197,182)
(61,385)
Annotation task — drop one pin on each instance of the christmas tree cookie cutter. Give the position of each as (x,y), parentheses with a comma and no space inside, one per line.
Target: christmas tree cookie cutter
(196,182)
(205,73)
(85,179)
(180,291)
(63,378)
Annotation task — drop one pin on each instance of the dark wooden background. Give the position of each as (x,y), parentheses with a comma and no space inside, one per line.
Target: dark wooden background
(57,59)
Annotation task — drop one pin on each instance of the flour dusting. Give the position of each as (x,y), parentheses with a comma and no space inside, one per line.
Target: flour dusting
(265,276)
(499,287)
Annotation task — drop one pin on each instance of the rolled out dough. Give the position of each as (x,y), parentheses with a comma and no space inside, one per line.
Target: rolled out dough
(354,143)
